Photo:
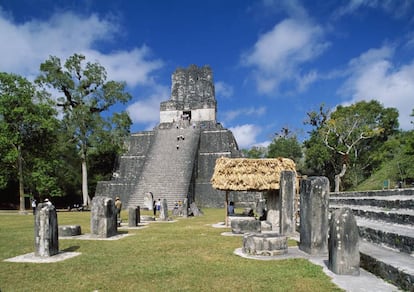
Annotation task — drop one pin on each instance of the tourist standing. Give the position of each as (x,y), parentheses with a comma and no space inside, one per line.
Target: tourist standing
(34,205)
(158,205)
(231,208)
(118,206)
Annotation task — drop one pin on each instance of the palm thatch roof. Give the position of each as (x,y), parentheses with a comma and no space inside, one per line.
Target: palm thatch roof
(243,174)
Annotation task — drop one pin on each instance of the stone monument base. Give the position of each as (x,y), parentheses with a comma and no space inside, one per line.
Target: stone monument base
(264,244)
(240,226)
(69,230)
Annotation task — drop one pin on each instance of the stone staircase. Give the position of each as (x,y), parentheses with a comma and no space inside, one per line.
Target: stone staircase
(386,226)
(169,166)
(130,166)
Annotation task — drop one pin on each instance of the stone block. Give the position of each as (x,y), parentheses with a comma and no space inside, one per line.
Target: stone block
(103,217)
(240,226)
(287,222)
(46,230)
(185,208)
(266,226)
(343,243)
(134,216)
(164,210)
(314,212)
(69,230)
(148,201)
(264,244)
(273,208)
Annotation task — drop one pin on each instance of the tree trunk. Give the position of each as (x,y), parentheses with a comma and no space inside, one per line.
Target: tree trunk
(338,178)
(20,175)
(86,198)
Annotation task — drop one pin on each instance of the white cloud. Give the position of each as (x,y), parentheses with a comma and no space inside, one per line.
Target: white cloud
(251,111)
(245,134)
(374,76)
(396,8)
(278,54)
(24,46)
(223,89)
(148,110)
(129,66)
(307,79)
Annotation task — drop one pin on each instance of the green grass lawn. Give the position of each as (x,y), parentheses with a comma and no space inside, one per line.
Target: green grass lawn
(187,255)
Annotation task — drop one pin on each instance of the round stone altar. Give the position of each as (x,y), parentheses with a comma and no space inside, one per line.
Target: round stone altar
(264,244)
(69,230)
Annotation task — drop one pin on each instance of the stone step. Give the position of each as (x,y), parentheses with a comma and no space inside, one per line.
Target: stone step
(391,202)
(396,236)
(400,216)
(168,171)
(382,193)
(393,266)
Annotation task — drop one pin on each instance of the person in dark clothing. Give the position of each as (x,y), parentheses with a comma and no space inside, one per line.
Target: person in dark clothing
(34,205)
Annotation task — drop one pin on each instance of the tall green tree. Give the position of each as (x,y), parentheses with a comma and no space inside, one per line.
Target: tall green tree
(351,134)
(27,125)
(285,145)
(318,159)
(86,95)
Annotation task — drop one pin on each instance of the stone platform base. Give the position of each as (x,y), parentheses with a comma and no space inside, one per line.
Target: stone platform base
(69,230)
(240,226)
(265,244)
(31,258)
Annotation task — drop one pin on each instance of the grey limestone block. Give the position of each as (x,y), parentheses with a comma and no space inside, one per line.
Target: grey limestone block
(343,243)
(273,208)
(287,191)
(69,230)
(264,244)
(314,214)
(103,217)
(46,230)
(148,201)
(185,208)
(134,216)
(164,210)
(240,226)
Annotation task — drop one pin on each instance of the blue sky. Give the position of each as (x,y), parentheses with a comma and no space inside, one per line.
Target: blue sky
(272,60)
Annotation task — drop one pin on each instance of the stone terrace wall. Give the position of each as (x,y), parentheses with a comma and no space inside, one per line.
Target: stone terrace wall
(388,192)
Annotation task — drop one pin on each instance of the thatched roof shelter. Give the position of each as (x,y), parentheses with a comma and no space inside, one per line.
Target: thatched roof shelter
(244,174)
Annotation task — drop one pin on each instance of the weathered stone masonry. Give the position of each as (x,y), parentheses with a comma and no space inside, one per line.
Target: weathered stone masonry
(176,159)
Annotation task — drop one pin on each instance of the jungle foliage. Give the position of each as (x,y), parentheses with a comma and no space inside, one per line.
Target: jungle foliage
(51,146)
(351,145)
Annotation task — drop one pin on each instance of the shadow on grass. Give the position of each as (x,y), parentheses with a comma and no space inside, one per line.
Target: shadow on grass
(71,248)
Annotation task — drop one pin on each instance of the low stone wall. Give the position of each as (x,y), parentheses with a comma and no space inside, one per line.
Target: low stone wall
(389,192)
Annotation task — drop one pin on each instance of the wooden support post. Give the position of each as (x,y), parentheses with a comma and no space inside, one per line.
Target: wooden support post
(226,205)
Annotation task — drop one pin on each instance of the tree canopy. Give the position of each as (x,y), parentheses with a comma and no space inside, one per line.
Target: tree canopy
(350,135)
(286,146)
(86,94)
(27,125)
